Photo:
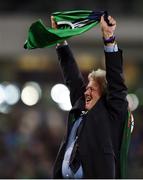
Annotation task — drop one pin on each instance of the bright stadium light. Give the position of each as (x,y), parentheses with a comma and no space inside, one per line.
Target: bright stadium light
(65,106)
(133,101)
(31,93)
(12,94)
(60,94)
(2,94)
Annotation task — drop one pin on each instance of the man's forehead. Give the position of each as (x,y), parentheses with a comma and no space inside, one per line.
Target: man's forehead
(92,82)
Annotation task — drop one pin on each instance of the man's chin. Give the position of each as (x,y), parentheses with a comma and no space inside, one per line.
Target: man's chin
(87,106)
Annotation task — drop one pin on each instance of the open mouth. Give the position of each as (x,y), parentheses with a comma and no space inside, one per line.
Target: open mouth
(88,99)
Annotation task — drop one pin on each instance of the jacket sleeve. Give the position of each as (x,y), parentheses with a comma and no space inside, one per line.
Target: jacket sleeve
(116,88)
(72,76)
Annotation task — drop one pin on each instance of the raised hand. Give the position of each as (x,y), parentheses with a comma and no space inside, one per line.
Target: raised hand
(107,30)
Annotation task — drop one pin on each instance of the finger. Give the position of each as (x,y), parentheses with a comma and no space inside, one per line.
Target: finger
(111,20)
(53,23)
(102,20)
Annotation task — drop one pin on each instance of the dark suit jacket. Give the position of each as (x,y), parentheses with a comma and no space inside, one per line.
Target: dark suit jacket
(98,144)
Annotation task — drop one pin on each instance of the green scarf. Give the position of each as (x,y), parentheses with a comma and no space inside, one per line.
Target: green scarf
(70,23)
(128,127)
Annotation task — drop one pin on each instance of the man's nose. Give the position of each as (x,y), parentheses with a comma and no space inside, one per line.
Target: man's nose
(87,91)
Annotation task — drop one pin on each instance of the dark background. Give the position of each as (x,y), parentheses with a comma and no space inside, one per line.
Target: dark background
(30,135)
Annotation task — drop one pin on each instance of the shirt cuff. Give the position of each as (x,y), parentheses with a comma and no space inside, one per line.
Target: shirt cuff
(111,48)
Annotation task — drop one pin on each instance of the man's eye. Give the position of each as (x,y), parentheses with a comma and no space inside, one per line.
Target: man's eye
(93,89)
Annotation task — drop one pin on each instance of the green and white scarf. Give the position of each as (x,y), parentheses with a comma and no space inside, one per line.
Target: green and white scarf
(70,23)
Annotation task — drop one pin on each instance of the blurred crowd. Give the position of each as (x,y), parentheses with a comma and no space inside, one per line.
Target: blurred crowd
(30,139)
(29,144)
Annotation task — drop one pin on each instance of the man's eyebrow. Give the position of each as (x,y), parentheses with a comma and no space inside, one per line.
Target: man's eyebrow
(87,87)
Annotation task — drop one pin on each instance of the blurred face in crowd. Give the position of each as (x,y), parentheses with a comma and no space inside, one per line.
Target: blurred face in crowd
(92,93)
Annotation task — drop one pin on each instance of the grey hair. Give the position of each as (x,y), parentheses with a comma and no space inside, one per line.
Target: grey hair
(100,76)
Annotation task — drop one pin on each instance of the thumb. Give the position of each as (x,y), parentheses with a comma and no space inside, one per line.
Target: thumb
(102,21)
(53,23)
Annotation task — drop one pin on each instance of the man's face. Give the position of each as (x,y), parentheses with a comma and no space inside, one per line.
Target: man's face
(92,94)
